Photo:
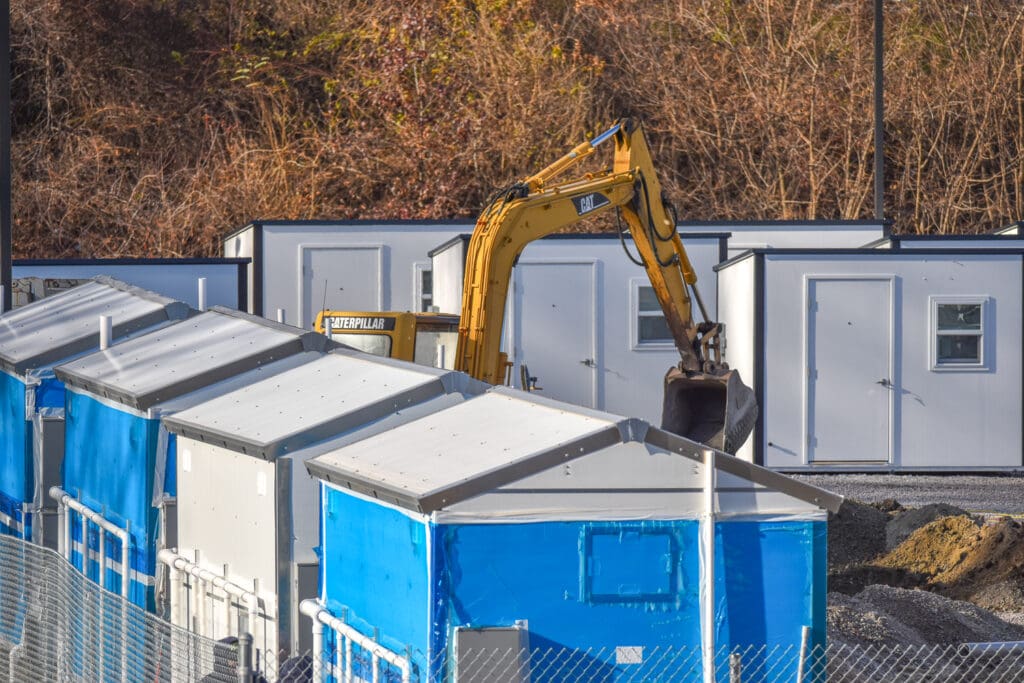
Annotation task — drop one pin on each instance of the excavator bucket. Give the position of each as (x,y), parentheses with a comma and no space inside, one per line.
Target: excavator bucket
(715,409)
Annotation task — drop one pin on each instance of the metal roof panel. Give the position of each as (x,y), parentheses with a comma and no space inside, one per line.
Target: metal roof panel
(334,393)
(67,324)
(181,358)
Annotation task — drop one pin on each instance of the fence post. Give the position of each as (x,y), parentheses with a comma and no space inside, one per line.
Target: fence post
(244,658)
(805,637)
(735,668)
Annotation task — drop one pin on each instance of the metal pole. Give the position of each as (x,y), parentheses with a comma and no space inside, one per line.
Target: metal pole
(106,331)
(879,117)
(801,667)
(244,658)
(318,651)
(202,294)
(5,155)
(707,579)
(735,668)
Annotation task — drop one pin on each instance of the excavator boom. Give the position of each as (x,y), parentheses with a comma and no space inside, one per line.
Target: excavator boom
(704,400)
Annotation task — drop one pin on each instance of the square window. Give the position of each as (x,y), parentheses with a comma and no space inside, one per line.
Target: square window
(629,565)
(649,326)
(958,333)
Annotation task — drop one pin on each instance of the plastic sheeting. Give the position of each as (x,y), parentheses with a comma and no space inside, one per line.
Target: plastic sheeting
(15,444)
(580,585)
(116,475)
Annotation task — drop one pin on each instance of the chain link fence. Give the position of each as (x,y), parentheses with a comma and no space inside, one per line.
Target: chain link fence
(966,663)
(58,625)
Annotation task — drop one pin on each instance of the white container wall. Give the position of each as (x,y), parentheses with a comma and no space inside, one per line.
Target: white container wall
(781,234)
(226,279)
(301,267)
(874,359)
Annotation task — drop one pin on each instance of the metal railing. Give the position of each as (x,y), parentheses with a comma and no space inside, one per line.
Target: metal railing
(347,644)
(66,505)
(204,580)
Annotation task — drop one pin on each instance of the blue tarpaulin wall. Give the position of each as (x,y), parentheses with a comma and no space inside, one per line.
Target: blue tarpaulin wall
(17,474)
(582,585)
(15,446)
(110,462)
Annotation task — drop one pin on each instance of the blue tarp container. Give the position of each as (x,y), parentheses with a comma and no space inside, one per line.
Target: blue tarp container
(119,460)
(33,339)
(577,532)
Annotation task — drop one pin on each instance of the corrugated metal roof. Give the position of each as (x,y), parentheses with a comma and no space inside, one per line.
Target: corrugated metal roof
(67,324)
(186,356)
(332,394)
(503,437)
(465,450)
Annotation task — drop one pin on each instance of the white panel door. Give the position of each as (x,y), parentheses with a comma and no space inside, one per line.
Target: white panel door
(341,278)
(554,329)
(849,366)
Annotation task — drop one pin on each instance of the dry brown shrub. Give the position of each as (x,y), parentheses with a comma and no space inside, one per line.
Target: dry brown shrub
(147,127)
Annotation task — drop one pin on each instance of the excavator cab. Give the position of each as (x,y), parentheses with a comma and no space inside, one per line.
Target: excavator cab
(424,338)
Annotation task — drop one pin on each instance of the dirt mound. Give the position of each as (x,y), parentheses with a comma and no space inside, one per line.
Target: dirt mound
(855,534)
(967,561)
(906,522)
(936,547)
(883,615)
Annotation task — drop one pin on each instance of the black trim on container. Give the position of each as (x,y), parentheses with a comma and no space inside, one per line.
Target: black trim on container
(257,268)
(915,251)
(759,357)
(243,284)
(461,237)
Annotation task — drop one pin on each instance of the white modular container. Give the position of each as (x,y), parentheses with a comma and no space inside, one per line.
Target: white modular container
(247,509)
(868,360)
(302,267)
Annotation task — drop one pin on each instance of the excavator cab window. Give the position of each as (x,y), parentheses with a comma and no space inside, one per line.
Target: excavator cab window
(435,344)
(377,344)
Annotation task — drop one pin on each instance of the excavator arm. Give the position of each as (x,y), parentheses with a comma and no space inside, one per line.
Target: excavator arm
(700,393)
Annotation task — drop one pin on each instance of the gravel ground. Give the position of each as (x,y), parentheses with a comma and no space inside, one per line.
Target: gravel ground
(974,493)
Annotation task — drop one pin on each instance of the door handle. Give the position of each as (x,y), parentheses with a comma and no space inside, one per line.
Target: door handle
(885,383)
(589,362)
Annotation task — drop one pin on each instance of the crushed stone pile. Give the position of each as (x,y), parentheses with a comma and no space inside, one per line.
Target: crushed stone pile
(883,615)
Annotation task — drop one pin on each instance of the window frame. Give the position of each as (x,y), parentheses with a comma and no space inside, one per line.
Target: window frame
(418,296)
(635,343)
(937,365)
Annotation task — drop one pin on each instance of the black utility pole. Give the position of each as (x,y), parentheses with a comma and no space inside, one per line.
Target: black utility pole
(879,117)
(5,153)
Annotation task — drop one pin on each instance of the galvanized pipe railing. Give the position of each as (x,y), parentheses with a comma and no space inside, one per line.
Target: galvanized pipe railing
(67,503)
(178,565)
(343,632)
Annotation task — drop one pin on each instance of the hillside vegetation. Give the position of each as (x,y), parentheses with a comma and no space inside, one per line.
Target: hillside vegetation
(154,127)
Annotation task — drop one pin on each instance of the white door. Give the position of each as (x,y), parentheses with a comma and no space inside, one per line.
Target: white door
(849,370)
(341,278)
(554,329)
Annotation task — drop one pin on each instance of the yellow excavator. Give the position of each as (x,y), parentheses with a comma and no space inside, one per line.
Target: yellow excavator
(703,399)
